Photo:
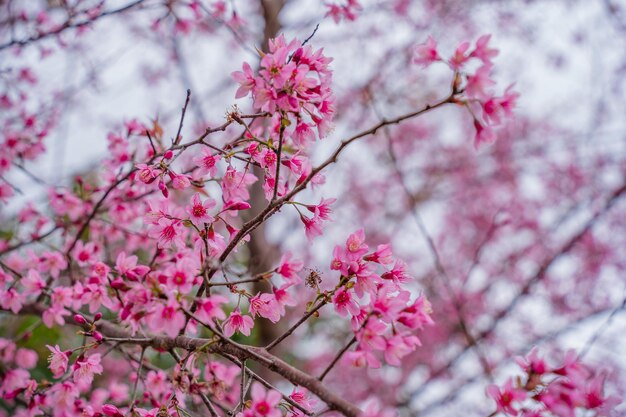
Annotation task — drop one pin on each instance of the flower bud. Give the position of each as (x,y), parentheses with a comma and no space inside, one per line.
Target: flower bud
(111,411)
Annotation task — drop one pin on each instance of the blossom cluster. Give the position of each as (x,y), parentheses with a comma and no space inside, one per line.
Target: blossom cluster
(293,81)
(145,246)
(475,81)
(547,390)
(372,290)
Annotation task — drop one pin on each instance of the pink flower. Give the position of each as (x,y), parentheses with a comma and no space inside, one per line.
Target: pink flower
(199,211)
(484,134)
(207,162)
(398,274)
(355,245)
(85,254)
(13,381)
(85,368)
(478,85)
(210,308)
(482,51)
(54,315)
(370,336)
(26,358)
(246,80)
(416,315)
(146,173)
(347,11)
(179,181)
(127,265)
(58,361)
(235,185)
(344,303)
(495,107)
(12,300)
(322,210)
(63,397)
(111,411)
(265,403)
(382,255)
(506,397)
(460,56)
(388,302)
(52,262)
(362,358)
(289,268)
(533,364)
(169,232)
(167,318)
(238,323)
(301,396)
(399,346)
(134,127)
(312,226)
(33,284)
(265,305)
(283,298)
(426,53)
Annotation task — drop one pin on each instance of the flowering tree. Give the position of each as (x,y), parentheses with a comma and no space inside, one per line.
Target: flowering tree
(196,270)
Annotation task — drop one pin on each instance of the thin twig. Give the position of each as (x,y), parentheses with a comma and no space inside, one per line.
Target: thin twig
(182,119)
(336,359)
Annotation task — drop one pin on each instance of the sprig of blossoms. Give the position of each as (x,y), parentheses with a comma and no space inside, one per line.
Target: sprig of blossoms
(473,68)
(372,291)
(296,81)
(546,390)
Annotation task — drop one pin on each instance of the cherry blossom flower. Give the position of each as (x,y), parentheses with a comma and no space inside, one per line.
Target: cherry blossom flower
(426,53)
(506,397)
(344,303)
(237,322)
(167,318)
(265,403)
(58,361)
(289,267)
(207,162)
(199,211)
(85,368)
(265,305)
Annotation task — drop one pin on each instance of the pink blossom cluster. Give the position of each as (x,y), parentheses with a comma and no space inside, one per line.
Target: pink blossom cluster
(546,390)
(149,246)
(347,10)
(372,291)
(24,124)
(293,82)
(474,69)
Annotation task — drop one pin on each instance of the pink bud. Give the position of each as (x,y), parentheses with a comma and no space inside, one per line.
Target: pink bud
(79,319)
(97,335)
(168,155)
(119,284)
(240,205)
(97,317)
(111,411)
(163,188)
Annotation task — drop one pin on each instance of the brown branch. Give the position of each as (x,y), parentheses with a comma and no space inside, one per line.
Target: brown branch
(69,25)
(336,359)
(224,346)
(178,138)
